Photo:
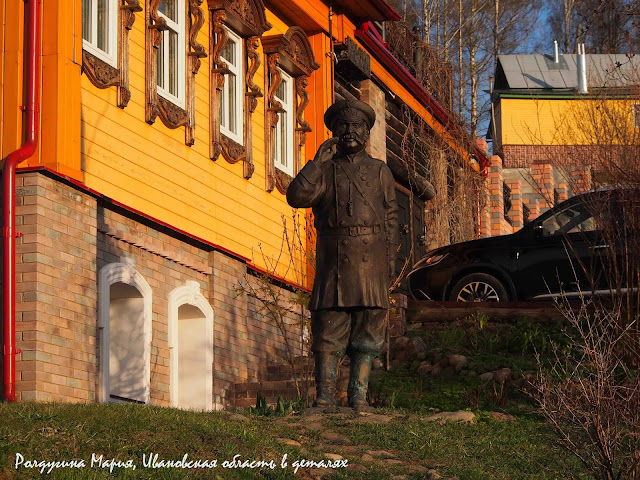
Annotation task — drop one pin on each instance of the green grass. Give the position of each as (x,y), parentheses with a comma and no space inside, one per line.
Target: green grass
(523,448)
(518,449)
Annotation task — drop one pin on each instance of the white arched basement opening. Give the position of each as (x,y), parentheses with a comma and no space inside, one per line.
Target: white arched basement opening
(191,348)
(124,323)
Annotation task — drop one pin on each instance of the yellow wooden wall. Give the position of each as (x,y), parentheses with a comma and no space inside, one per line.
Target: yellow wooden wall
(148,167)
(579,121)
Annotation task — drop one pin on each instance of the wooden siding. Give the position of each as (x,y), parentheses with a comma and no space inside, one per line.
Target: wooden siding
(149,168)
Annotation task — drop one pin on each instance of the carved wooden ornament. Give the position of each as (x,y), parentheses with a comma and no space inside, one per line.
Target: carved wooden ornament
(291,52)
(103,75)
(171,114)
(247,18)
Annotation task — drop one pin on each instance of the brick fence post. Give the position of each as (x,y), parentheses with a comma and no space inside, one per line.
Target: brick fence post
(515,214)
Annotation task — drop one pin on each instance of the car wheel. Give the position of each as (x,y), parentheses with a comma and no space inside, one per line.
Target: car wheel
(478,287)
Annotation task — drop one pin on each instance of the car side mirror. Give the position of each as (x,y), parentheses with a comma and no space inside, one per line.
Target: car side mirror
(538,230)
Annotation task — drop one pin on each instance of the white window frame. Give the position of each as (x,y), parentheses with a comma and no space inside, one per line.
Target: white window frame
(288,108)
(179,28)
(238,72)
(111,55)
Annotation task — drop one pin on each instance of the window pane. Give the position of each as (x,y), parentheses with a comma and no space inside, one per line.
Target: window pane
(173,63)
(283,139)
(160,64)
(232,103)
(103,25)
(281,91)
(224,108)
(229,52)
(86,20)
(169,8)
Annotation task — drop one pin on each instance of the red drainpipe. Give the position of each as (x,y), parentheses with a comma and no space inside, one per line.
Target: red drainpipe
(9,234)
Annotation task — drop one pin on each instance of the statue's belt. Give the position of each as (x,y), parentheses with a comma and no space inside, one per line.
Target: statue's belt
(353,231)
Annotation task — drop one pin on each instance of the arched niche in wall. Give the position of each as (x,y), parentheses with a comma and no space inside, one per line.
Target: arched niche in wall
(124,324)
(242,21)
(287,55)
(191,348)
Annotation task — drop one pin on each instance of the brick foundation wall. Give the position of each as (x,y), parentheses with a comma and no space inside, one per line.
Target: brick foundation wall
(68,236)
(56,294)
(245,339)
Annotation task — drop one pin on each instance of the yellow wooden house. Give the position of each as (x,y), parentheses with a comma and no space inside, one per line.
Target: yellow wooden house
(559,122)
(168,133)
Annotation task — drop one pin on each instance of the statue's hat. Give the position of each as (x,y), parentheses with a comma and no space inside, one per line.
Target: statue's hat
(349,108)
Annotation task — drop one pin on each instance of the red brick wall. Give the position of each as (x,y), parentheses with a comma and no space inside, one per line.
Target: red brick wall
(524,156)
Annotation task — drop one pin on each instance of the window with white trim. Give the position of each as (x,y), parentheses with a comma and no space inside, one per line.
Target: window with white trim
(283,141)
(232,99)
(100,29)
(172,52)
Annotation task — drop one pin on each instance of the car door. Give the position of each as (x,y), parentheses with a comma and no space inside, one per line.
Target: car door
(556,254)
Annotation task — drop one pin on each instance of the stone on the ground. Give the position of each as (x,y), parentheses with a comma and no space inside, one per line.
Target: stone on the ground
(288,441)
(486,377)
(336,438)
(461,416)
(424,369)
(416,350)
(366,458)
(458,362)
(436,370)
(366,417)
(501,375)
(381,454)
(432,474)
(399,348)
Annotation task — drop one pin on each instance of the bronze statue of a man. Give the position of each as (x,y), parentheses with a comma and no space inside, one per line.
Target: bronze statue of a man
(356,218)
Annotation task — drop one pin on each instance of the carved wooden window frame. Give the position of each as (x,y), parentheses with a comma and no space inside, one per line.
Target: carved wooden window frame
(171,115)
(292,53)
(247,19)
(102,74)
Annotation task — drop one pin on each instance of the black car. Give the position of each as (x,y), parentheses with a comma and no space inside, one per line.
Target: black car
(564,251)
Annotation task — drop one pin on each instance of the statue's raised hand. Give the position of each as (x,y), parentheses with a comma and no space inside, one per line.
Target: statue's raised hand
(325,151)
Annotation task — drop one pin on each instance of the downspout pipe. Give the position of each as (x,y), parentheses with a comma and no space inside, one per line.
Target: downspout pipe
(28,148)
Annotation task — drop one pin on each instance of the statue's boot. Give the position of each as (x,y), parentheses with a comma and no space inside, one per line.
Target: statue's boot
(326,372)
(359,380)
